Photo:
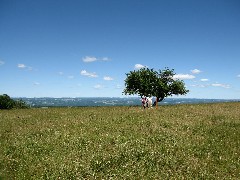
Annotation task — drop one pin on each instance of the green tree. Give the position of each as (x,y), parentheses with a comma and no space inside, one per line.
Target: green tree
(148,82)
(7,103)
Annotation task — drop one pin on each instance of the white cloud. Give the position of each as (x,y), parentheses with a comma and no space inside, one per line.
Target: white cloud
(22,66)
(60,73)
(183,76)
(139,66)
(221,85)
(238,76)
(2,62)
(88,74)
(199,85)
(89,59)
(107,78)
(196,71)
(204,80)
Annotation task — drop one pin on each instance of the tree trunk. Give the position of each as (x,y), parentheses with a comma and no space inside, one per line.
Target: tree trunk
(156,102)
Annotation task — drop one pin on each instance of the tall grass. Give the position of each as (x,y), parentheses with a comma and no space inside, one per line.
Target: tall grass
(171,142)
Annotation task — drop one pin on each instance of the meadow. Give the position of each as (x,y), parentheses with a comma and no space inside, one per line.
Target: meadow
(194,141)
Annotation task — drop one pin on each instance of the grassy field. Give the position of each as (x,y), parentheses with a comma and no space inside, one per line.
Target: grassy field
(199,141)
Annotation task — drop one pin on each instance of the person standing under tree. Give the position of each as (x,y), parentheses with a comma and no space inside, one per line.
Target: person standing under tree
(144,102)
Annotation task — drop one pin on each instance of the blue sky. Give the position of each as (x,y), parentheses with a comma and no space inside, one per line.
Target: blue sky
(83,48)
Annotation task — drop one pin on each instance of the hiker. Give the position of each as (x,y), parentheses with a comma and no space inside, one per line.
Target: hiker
(146,102)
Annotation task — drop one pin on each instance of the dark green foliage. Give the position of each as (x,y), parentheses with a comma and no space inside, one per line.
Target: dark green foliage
(20,104)
(147,82)
(7,103)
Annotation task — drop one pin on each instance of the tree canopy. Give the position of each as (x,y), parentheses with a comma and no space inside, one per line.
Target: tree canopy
(148,82)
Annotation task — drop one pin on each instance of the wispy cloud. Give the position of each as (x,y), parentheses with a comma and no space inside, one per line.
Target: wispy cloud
(221,85)
(183,76)
(107,78)
(88,74)
(105,59)
(196,71)
(139,66)
(238,76)
(199,85)
(2,63)
(227,86)
(118,86)
(23,66)
(204,80)
(64,75)
(98,86)
(89,59)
